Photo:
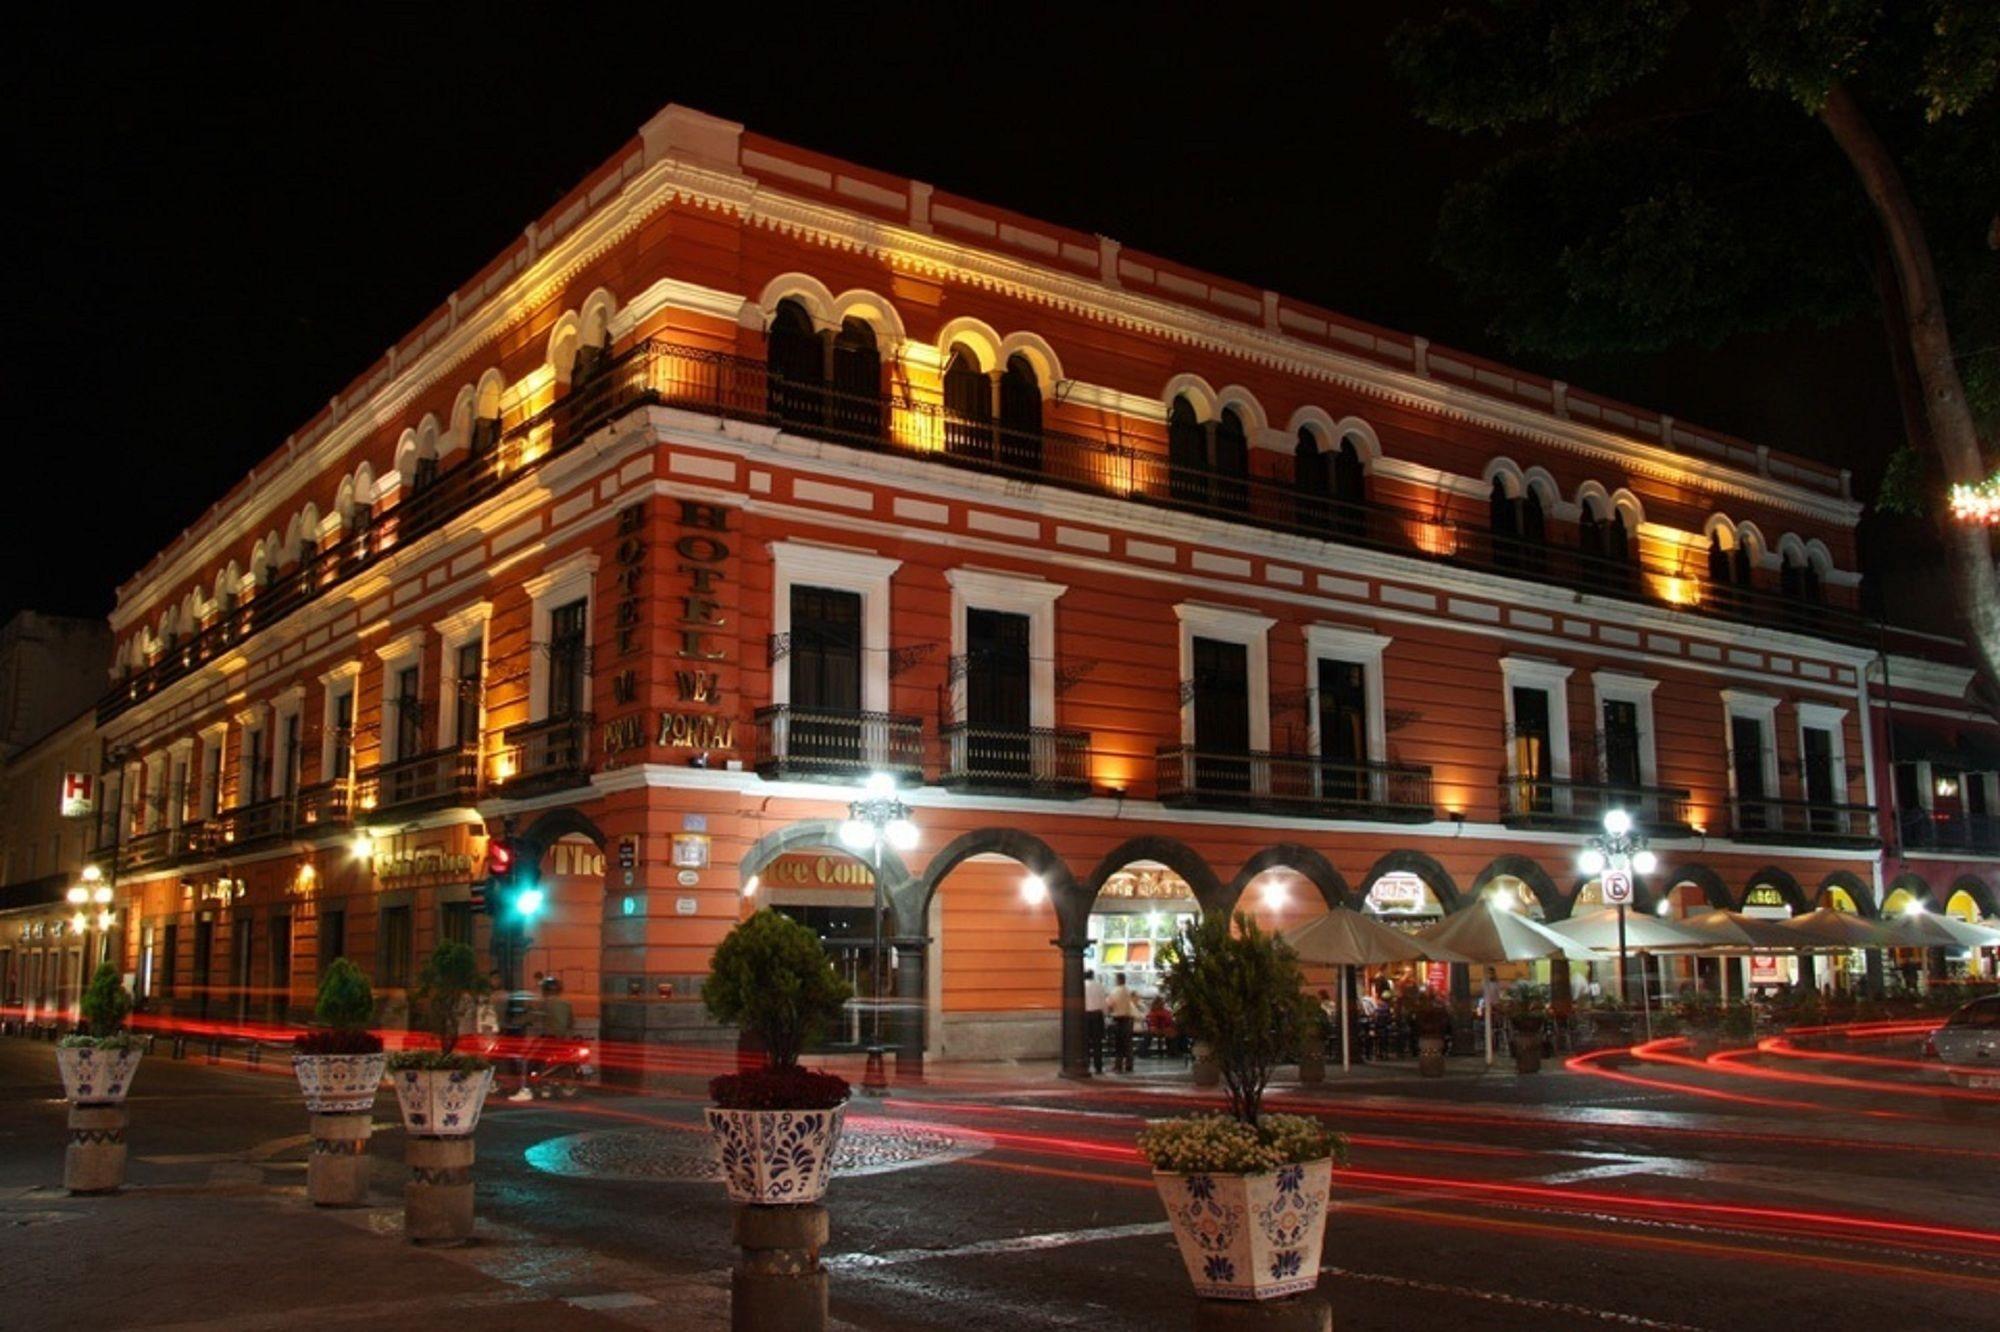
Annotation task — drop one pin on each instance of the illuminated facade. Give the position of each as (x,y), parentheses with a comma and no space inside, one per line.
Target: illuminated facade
(750,472)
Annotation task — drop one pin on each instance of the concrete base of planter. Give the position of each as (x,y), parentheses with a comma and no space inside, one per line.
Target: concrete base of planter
(1312,1071)
(1207,1072)
(778,1281)
(94,1161)
(337,1170)
(437,1201)
(1300,1313)
(1528,1059)
(1430,1056)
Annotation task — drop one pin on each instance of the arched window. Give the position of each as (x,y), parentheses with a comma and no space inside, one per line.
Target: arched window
(1311,482)
(1503,520)
(968,405)
(1187,454)
(796,368)
(1534,532)
(1232,459)
(484,435)
(855,407)
(1617,540)
(1744,571)
(1021,416)
(590,364)
(1350,478)
(1718,560)
(1788,578)
(1590,535)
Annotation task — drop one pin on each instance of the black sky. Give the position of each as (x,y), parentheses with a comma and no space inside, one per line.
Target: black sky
(215,223)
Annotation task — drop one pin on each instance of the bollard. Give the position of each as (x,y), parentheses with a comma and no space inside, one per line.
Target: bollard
(778,1280)
(337,1170)
(215,1052)
(94,1162)
(437,1201)
(255,1055)
(1299,1313)
(180,1047)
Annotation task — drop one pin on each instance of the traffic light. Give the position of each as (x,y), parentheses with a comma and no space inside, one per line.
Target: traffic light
(499,875)
(512,896)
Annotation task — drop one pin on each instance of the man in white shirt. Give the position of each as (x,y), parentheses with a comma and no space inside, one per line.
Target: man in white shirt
(1093,1021)
(1122,1007)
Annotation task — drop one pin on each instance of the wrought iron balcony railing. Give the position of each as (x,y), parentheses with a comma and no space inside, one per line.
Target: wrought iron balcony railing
(1294,784)
(1036,760)
(1930,830)
(834,745)
(1267,493)
(1801,822)
(543,756)
(326,805)
(440,778)
(1566,803)
(246,825)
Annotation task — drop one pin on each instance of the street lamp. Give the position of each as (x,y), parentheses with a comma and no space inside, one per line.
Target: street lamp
(1614,856)
(876,818)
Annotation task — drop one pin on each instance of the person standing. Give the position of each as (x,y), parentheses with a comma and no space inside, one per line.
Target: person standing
(1093,1021)
(1122,1007)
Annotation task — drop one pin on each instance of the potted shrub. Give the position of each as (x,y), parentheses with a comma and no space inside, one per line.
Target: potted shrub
(1246,1192)
(1319,1032)
(1432,1022)
(339,1063)
(1701,1016)
(97,1066)
(1527,1023)
(775,1127)
(1739,1023)
(440,1089)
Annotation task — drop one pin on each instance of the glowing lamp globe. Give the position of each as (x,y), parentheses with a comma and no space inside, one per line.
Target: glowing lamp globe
(1591,862)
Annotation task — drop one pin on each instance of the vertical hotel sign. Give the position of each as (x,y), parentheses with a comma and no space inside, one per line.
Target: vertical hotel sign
(701,553)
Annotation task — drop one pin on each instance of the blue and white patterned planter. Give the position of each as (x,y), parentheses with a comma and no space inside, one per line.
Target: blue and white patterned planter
(776,1157)
(441,1103)
(339,1084)
(1250,1237)
(91,1076)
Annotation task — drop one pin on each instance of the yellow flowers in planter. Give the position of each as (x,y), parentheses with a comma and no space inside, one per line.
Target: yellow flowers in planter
(1217,1144)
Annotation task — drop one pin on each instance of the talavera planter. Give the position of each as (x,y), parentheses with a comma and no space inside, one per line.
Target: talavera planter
(775,1158)
(91,1076)
(441,1103)
(1250,1237)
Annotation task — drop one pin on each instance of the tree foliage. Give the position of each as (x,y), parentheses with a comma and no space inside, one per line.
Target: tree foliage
(448,986)
(771,976)
(346,1001)
(1240,992)
(106,1003)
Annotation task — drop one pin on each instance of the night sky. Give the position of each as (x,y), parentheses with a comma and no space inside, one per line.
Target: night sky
(213,227)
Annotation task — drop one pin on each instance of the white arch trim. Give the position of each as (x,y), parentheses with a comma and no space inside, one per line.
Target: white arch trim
(1200,395)
(1038,353)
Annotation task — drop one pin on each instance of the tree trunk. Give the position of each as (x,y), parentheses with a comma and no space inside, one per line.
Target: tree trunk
(1950,434)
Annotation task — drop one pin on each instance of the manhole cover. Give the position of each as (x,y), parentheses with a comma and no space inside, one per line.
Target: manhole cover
(647,1154)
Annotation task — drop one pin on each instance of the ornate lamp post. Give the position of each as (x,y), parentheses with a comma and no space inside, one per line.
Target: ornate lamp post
(1613,857)
(876,818)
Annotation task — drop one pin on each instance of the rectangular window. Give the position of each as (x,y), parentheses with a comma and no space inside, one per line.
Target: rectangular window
(1343,729)
(1534,763)
(1746,751)
(211,782)
(567,637)
(288,779)
(343,734)
(465,719)
(395,945)
(1221,688)
(177,792)
(998,690)
(281,966)
(1623,770)
(409,714)
(825,668)
(332,937)
(169,958)
(256,768)
(455,923)
(241,944)
(204,962)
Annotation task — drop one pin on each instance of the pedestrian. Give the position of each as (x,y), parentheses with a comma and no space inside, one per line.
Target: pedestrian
(1122,1007)
(1093,1021)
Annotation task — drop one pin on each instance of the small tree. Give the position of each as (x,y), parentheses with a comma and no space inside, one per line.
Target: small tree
(446,988)
(346,1001)
(107,1002)
(771,976)
(1240,991)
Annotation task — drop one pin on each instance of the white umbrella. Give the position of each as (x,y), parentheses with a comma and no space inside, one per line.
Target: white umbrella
(1488,932)
(1736,932)
(1925,930)
(1643,932)
(1826,929)
(1346,939)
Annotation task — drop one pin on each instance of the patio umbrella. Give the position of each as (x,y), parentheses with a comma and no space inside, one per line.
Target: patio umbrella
(1488,932)
(1735,932)
(1926,930)
(1827,930)
(1344,939)
(1644,933)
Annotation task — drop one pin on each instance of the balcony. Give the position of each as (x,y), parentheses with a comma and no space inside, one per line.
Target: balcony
(1564,804)
(1031,761)
(248,825)
(832,745)
(1267,495)
(541,756)
(328,805)
(1296,784)
(1802,823)
(149,850)
(1929,830)
(437,780)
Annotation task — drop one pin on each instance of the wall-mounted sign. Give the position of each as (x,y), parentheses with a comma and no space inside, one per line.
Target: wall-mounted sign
(423,862)
(686,906)
(817,872)
(576,860)
(696,730)
(687,878)
(694,823)
(1398,891)
(628,853)
(79,794)
(691,850)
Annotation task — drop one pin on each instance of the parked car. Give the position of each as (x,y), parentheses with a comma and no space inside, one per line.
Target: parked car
(1969,1043)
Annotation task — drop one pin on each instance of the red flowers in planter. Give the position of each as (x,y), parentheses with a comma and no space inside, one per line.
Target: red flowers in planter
(778,1089)
(337,1041)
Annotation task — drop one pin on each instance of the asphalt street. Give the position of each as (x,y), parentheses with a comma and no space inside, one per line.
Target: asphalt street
(1832,1186)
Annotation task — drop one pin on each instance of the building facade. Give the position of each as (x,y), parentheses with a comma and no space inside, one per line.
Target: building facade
(750,473)
(49,941)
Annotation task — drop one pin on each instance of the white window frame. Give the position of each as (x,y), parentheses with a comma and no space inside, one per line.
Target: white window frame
(454,632)
(154,781)
(795,563)
(574,579)
(1826,717)
(1362,647)
(182,752)
(397,655)
(208,799)
(1616,687)
(1763,709)
(1012,594)
(1230,626)
(250,723)
(1552,678)
(342,680)
(284,707)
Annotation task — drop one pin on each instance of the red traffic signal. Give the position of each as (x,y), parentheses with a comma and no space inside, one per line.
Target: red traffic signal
(499,858)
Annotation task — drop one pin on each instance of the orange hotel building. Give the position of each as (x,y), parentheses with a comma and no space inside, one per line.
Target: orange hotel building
(748,472)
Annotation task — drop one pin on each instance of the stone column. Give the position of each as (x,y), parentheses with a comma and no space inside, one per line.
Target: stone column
(1875,979)
(1075,1055)
(94,1162)
(337,1170)
(437,1200)
(778,1281)
(912,1003)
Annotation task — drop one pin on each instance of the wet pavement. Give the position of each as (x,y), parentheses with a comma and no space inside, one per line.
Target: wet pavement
(1836,1183)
